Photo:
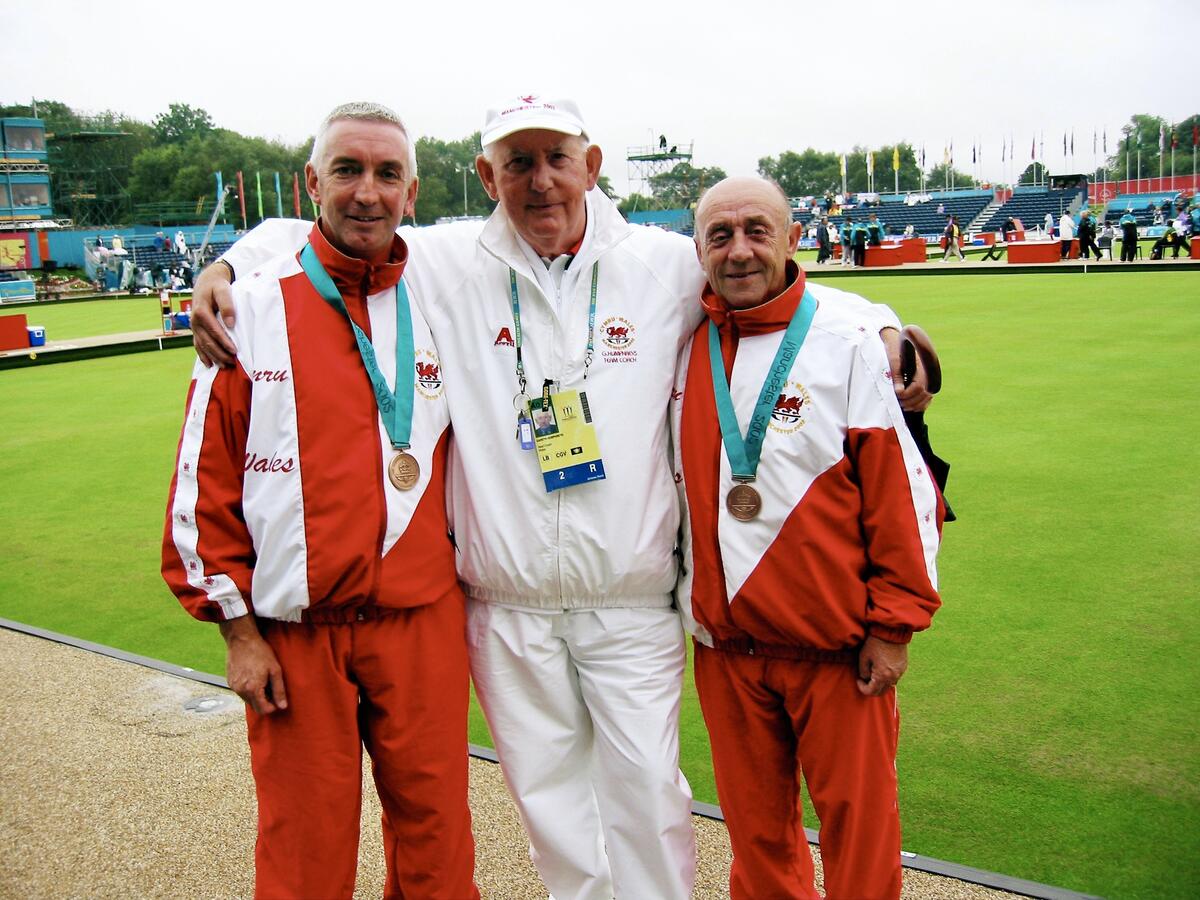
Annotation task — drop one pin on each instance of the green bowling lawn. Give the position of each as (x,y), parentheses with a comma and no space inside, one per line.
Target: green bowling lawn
(1050,720)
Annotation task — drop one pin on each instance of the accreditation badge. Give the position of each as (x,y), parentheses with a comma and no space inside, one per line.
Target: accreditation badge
(568,453)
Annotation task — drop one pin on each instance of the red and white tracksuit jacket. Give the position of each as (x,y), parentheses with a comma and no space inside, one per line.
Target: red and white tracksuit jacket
(280,503)
(845,543)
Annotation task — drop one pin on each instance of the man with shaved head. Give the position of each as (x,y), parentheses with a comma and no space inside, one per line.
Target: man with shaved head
(810,529)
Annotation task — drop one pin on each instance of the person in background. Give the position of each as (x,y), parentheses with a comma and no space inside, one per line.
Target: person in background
(824,247)
(1129,236)
(1066,234)
(1087,234)
(875,230)
(1107,234)
(950,236)
(859,239)
(1182,227)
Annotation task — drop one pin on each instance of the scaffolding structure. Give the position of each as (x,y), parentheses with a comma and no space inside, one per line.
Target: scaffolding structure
(656,159)
(88,173)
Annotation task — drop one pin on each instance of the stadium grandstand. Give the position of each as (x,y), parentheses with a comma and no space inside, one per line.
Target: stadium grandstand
(927,216)
(1143,207)
(1030,206)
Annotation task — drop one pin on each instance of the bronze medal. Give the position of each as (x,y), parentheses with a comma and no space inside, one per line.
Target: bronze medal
(743,502)
(404,471)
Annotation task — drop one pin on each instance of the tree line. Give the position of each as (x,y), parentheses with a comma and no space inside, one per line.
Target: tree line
(166,168)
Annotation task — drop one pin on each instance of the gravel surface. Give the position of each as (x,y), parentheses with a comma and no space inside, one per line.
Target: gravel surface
(110,787)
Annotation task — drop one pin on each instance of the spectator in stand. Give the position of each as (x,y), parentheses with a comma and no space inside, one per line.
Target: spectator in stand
(1049,225)
(1066,233)
(1129,236)
(847,235)
(180,243)
(1087,234)
(1158,217)
(875,230)
(950,236)
(910,231)
(824,247)
(941,209)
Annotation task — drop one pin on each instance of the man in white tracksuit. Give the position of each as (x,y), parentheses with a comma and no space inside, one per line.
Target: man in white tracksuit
(576,651)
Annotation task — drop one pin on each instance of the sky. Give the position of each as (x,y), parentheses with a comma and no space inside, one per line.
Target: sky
(737,81)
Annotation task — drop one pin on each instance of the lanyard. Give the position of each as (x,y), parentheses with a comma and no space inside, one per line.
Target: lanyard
(395,408)
(743,454)
(516,311)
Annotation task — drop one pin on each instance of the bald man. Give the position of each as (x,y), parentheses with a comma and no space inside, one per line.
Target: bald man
(810,528)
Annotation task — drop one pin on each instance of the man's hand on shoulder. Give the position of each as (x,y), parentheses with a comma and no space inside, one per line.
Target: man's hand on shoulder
(213,297)
(251,669)
(880,665)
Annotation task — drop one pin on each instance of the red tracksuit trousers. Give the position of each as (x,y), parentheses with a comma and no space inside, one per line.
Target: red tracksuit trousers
(396,684)
(773,721)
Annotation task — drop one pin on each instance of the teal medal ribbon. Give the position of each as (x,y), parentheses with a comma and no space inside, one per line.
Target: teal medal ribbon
(744,453)
(395,407)
(522,401)
(516,313)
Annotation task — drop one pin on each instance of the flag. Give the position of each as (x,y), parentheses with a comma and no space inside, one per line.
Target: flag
(896,158)
(278,197)
(1033,149)
(842,164)
(296,195)
(1072,141)
(952,152)
(1064,143)
(1174,139)
(1106,142)
(1162,137)
(923,148)
(871,163)
(1195,135)
(973,160)
(258,184)
(1003,150)
(242,197)
(1094,145)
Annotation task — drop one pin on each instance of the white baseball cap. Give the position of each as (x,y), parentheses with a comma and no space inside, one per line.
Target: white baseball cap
(529,112)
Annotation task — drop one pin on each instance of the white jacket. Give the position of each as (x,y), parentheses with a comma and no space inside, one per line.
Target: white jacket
(607,543)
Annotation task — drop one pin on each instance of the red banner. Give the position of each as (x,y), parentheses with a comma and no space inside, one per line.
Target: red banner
(242,198)
(296,194)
